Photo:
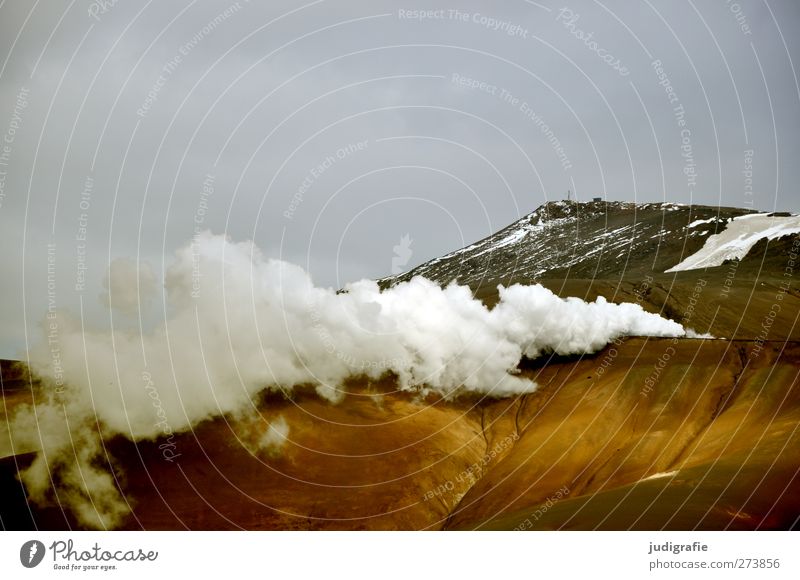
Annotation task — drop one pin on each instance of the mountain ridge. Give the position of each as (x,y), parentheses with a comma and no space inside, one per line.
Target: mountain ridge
(581,240)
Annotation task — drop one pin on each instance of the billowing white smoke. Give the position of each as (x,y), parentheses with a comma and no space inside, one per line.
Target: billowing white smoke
(240,323)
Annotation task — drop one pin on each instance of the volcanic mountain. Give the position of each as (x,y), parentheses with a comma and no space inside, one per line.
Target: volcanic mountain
(699,432)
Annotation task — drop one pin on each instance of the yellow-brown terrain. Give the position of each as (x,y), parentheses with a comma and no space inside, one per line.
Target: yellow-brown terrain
(686,433)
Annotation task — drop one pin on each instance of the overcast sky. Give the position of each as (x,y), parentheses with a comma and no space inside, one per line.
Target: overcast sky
(327,131)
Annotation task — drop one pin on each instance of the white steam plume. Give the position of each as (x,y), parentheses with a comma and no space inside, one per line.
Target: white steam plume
(240,324)
(128,285)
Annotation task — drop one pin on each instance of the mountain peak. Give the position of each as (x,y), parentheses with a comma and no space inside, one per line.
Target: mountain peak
(581,239)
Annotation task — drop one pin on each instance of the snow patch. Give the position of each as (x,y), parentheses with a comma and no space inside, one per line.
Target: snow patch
(696,223)
(660,475)
(738,237)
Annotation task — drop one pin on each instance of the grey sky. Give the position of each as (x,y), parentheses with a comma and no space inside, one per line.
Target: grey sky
(259,95)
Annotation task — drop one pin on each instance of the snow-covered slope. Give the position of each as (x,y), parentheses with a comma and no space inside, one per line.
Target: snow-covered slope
(580,240)
(738,238)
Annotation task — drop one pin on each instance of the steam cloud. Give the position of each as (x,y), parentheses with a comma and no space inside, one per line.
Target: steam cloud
(128,285)
(239,324)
